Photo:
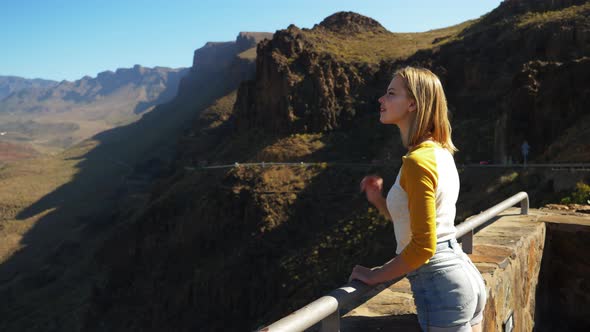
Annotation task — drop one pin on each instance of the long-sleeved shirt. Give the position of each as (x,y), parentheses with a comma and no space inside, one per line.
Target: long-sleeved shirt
(422,202)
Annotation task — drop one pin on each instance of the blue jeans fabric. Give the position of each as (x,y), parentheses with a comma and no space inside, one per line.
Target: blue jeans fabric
(448,291)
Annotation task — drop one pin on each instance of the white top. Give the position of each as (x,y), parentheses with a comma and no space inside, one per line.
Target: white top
(428,157)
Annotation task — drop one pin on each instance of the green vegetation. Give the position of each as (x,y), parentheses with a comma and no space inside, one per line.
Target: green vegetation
(24,183)
(539,18)
(508,178)
(580,196)
(296,147)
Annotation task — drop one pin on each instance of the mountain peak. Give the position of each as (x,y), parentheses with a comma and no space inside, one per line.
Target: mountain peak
(350,22)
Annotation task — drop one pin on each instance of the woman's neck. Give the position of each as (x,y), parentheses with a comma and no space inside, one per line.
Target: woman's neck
(427,138)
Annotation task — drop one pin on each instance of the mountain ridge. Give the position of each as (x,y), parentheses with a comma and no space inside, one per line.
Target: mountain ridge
(86,106)
(12,84)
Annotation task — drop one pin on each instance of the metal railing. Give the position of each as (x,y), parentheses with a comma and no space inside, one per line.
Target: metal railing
(465,230)
(381,163)
(326,309)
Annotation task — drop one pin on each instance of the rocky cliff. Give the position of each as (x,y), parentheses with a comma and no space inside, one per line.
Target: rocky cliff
(492,76)
(219,62)
(215,55)
(296,89)
(321,79)
(547,103)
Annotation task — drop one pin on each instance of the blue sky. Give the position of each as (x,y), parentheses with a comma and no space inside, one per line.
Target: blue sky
(67,39)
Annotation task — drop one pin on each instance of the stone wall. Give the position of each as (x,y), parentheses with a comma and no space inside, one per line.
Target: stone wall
(508,254)
(563,296)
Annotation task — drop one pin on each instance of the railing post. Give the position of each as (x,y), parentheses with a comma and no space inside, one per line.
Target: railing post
(331,323)
(467,242)
(524,205)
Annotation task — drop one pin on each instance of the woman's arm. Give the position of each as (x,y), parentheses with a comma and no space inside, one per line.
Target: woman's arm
(372,185)
(419,180)
(393,269)
(381,205)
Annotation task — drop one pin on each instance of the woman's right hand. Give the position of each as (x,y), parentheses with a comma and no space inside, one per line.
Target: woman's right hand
(372,185)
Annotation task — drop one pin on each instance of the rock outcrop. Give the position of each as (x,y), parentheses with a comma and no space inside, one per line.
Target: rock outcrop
(546,99)
(351,23)
(216,60)
(298,89)
(216,55)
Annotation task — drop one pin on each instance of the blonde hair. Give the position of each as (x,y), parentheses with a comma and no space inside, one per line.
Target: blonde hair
(425,88)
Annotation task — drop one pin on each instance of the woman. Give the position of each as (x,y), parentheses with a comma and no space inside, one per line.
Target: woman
(449,292)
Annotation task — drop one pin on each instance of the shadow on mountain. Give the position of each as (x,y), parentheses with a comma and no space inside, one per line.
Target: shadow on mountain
(51,276)
(168,94)
(180,233)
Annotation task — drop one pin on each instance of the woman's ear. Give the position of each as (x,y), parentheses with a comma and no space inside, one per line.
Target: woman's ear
(412,106)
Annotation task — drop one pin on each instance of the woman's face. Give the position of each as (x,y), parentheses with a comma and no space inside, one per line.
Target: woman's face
(395,105)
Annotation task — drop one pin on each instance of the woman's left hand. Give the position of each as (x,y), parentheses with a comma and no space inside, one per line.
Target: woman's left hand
(364,274)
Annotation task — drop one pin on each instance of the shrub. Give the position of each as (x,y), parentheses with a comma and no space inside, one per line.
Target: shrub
(580,196)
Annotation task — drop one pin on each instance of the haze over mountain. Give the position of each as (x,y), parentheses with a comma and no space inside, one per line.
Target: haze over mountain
(48,116)
(12,84)
(172,246)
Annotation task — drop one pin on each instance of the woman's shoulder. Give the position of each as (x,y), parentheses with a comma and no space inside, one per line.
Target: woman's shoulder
(422,152)
(428,157)
(419,161)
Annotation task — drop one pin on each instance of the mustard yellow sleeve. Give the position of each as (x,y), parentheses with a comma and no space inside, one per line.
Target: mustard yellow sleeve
(419,180)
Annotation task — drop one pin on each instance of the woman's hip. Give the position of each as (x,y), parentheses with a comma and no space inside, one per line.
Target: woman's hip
(448,290)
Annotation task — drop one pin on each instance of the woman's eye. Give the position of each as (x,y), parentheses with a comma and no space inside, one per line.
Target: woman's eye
(391,93)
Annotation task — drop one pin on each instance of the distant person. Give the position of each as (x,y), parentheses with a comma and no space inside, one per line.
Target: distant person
(525,148)
(421,205)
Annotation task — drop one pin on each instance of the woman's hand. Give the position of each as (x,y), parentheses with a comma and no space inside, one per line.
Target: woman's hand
(364,274)
(372,185)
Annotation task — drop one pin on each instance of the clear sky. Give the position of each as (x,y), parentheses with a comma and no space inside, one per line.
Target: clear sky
(67,39)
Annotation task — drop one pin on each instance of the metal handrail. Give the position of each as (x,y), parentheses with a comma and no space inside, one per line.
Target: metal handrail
(326,308)
(465,230)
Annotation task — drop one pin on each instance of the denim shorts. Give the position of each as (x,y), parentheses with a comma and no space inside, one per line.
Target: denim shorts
(448,291)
